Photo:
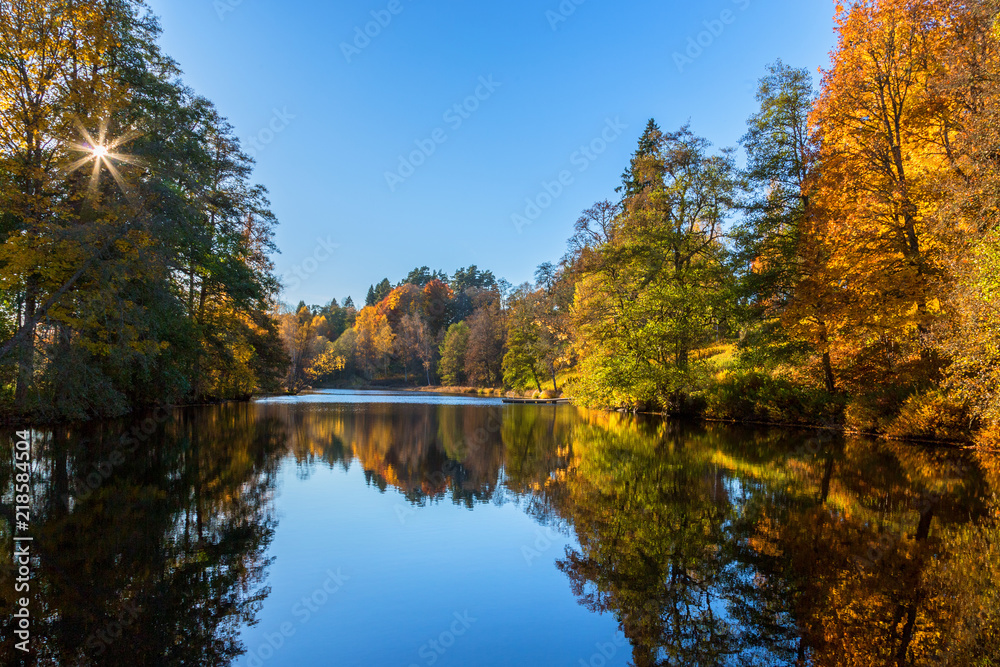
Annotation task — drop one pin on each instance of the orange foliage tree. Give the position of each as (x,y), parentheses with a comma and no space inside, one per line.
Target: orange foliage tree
(873,247)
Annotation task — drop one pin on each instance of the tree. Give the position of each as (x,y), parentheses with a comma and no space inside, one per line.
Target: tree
(422,276)
(453,351)
(521,364)
(484,355)
(335,320)
(134,244)
(414,344)
(472,277)
(437,304)
(660,286)
(536,340)
(299,333)
(404,300)
(780,155)
(649,144)
(884,130)
(374,341)
(971,335)
(382,290)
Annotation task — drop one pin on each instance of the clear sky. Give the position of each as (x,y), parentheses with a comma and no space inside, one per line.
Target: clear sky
(358,139)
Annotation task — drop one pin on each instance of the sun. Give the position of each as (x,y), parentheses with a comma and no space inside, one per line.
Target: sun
(103,155)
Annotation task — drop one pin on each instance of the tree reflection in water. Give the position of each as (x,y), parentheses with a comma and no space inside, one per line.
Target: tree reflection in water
(710,545)
(163,562)
(715,545)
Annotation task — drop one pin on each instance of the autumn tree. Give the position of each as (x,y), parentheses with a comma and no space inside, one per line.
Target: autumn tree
(414,345)
(971,335)
(404,300)
(375,340)
(134,243)
(884,132)
(487,336)
(299,333)
(437,304)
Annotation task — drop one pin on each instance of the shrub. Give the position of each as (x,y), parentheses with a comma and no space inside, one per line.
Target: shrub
(932,415)
(756,396)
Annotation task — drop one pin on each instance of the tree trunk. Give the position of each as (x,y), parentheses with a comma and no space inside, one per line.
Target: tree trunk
(831,383)
(827,478)
(534,376)
(26,363)
(828,377)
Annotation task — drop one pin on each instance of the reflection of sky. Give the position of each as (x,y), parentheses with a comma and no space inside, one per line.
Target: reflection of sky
(410,570)
(340,397)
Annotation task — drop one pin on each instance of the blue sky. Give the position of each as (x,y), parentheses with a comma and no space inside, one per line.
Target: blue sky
(361,145)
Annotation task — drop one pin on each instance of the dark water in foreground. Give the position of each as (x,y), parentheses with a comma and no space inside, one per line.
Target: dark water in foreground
(414,530)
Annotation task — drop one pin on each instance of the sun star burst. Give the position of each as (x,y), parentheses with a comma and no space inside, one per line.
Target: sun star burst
(101,151)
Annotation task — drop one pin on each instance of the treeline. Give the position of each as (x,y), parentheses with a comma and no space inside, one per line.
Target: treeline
(848,274)
(427,328)
(134,249)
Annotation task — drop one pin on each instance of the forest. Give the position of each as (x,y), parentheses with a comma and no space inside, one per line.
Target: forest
(135,263)
(840,267)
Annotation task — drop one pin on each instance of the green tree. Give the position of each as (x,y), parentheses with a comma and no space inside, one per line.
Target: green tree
(472,277)
(453,350)
(423,275)
(535,340)
(661,288)
(382,290)
(780,151)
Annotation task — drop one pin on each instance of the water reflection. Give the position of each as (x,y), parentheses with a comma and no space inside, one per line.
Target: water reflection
(709,545)
(147,552)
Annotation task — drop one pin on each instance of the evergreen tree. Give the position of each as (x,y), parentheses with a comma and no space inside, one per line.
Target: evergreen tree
(382,290)
(649,144)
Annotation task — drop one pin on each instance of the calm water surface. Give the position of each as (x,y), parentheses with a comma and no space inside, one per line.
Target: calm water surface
(341,528)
